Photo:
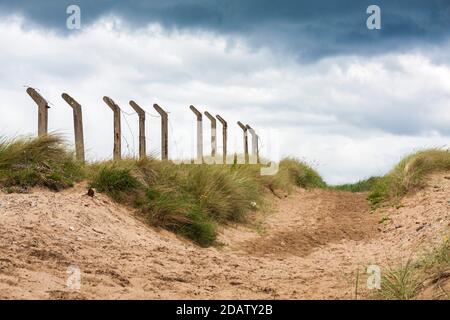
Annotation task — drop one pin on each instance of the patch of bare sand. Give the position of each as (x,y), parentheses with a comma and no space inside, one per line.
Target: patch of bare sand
(311,246)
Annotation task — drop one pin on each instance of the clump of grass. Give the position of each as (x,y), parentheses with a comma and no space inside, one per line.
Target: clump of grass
(437,260)
(225,192)
(42,161)
(301,174)
(116,181)
(409,175)
(400,284)
(406,282)
(294,172)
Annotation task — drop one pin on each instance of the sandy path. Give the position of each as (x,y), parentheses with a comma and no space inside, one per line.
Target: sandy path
(311,247)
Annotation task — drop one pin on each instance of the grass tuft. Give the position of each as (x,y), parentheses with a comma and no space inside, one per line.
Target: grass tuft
(42,161)
(293,172)
(407,281)
(400,284)
(115,181)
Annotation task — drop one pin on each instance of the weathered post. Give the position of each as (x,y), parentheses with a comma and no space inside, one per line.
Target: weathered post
(213,135)
(199,135)
(142,141)
(42,111)
(117,155)
(164,132)
(244,128)
(78,126)
(224,137)
(254,157)
(257,149)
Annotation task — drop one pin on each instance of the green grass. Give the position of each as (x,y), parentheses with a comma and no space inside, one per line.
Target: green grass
(406,281)
(410,174)
(360,186)
(43,161)
(293,172)
(401,283)
(188,199)
(191,200)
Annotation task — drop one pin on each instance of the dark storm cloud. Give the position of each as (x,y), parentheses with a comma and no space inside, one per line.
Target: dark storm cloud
(308,29)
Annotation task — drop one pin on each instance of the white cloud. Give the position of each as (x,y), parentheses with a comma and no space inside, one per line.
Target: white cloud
(352,116)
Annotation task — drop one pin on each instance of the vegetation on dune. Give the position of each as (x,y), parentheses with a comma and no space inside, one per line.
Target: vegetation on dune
(189,199)
(293,172)
(192,199)
(360,186)
(409,280)
(408,175)
(42,161)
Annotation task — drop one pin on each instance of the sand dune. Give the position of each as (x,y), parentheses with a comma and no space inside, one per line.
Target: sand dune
(311,246)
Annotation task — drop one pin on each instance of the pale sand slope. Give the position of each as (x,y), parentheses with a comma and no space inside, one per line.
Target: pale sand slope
(311,246)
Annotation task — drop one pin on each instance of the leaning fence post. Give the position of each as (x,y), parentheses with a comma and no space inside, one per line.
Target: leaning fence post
(257,149)
(199,135)
(244,128)
(213,135)
(164,132)
(254,157)
(142,141)
(224,137)
(42,111)
(117,131)
(78,126)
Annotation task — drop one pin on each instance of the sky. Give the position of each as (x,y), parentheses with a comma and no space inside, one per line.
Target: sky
(309,76)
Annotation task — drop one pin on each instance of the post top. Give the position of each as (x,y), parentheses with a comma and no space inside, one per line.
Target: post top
(197,113)
(137,108)
(71,101)
(252,131)
(242,126)
(210,117)
(37,97)
(160,110)
(110,102)
(222,120)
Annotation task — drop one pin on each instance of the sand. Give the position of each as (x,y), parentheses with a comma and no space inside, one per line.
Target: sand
(311,246)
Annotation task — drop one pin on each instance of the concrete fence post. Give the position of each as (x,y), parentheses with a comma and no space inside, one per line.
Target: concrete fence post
(257,149)
(117,154)
(164,132)
(42,111)
(78,126)
(213,135)
(224,137)
(142,141)
(254,157)
(198,114)
(244,128)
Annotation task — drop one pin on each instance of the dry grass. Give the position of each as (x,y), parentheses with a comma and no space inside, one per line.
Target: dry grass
(408,175)
(193,199)
(188,199)
(43,161)
(405,282)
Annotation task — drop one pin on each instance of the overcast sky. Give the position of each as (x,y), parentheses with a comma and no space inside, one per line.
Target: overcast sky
(309,76)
